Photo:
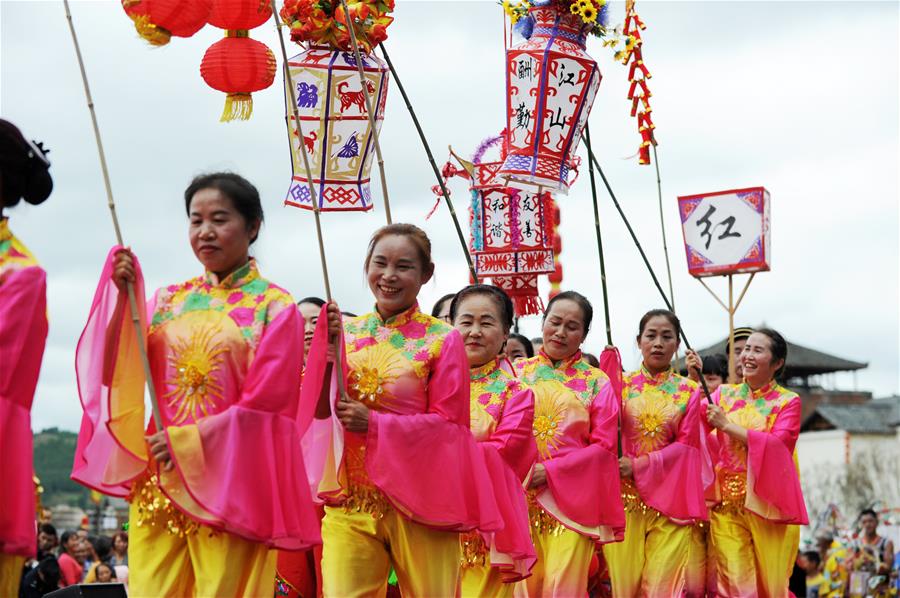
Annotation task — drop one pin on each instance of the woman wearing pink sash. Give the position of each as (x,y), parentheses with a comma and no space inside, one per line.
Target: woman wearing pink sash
(222,484)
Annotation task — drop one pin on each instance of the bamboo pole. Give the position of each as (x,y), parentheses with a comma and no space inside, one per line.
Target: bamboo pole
(437,172)
(662,225)
(731,365)
(369,112)
(111,204)
(309,181)
(587,142)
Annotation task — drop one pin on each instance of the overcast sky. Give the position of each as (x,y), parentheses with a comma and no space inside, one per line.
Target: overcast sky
(799,97)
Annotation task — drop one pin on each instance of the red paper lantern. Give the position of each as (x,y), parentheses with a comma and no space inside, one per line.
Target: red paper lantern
(158,20)
(238,66)
(239,14)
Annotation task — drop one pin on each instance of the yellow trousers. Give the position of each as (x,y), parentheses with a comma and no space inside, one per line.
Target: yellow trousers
(359,550)
(700,575)
(10,573)
(563,561)
(652,559)
(201,563)
(484,582)
(753,557)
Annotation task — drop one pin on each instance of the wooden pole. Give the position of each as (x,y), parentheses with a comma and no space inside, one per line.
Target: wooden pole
(111,204)
(369,112)
(662,226)
(437,172)
(309,181)
(732,375)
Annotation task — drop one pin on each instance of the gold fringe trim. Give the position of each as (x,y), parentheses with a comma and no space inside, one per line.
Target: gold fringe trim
(366,499)
(157,36)
(238,106)
(541,521)
(733,489)
(474,551)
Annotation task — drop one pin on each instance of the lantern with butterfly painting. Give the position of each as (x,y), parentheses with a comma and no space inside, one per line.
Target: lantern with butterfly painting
(512,236)
(335,125)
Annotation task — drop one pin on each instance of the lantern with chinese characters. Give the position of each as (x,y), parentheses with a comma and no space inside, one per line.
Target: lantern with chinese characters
(726,232)
(238,65)
(551,84)
(158,20)
(335,125)
(512,236)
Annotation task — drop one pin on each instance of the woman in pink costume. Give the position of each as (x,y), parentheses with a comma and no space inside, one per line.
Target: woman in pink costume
(662,485)
(23,332)
(393,458)
(502,415)
(574,492)
(223,483)
(754,531)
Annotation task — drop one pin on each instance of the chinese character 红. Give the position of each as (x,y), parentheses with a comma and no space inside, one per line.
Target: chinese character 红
(710,228)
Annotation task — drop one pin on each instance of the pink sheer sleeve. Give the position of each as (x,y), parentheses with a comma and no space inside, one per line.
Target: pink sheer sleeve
(773,485)
(509,453)
(111,450)
(23,333)
(243,466)
(585,482)
(513,437)
(670,479)
(451,488)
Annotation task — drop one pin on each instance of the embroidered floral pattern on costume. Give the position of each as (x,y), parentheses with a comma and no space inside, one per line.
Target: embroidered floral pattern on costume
(753,410)
(654,406)
(574,373)
(491,387)
(548,416)
(371,369)
(248,299)
(195,360)
(14,255)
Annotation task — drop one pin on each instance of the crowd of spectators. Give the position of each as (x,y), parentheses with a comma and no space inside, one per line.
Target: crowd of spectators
(72,558)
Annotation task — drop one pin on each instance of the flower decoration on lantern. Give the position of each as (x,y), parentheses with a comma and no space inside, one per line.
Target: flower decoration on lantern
(513,232)
(631,55)
(238,65)
(158,20)
(551,84)
(323,22)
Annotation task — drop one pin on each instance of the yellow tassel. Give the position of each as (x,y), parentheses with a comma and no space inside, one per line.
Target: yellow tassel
(238,106)
(157,36)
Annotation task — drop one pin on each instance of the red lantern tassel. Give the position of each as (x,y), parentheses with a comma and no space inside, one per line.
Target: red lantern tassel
(527,305)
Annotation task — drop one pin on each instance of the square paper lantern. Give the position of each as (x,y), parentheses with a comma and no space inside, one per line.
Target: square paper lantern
(336,131)
(512,236)
(726,232)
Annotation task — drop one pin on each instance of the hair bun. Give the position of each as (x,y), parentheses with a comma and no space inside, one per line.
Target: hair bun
(24,166)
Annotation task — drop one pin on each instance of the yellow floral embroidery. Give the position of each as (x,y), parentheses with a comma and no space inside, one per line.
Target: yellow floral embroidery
(195,360)
(548,417)
(651,412)
(371,369)
(747,417)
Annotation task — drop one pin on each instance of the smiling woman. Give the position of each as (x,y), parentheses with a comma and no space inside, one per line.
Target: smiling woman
(220,347)
(407,397)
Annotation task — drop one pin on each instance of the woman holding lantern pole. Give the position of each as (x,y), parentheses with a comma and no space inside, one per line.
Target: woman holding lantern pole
(574,493)
(754,531)
(662,487)
(394,461)
(502,416)
(223,483)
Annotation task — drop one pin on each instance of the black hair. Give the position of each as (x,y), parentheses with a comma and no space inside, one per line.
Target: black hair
(812,555)
(24,168)
(529,348)
(591,359)
(110,567)
(501,299)
(48,567)
(665,313)
(243,195)
(587,310)
(317,301)
(48,529)
(102,546)
(63,540)
(439,304)
(777,346)
(716,365)
(868,512)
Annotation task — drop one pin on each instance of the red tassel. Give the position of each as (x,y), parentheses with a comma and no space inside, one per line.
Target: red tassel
(528,305)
